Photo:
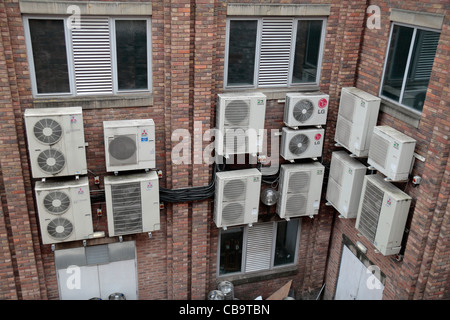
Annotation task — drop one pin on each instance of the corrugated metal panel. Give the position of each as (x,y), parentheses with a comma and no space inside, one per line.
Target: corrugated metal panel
(259,247)
(92,56)
(275,52)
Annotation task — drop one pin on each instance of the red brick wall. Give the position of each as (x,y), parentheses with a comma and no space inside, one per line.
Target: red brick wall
(179,261)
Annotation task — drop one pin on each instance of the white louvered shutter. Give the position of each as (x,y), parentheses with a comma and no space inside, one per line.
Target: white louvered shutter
(259,247)
(275,51)
(92,56)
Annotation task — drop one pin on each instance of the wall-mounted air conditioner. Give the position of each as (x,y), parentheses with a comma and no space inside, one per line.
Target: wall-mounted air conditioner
(305,109)
(345,183)
(300,189)
(132,203)
(64,210)
(358,114)
(129,144)
(56,141)
(392,153)
(237,197)
(240,123)
(382,214)
(302,143)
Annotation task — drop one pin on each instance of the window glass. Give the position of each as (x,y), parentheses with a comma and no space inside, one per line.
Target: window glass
(49,55)
(286,242)
(131,49)
(241,52)
(396,63)
(307,51)
(231,250)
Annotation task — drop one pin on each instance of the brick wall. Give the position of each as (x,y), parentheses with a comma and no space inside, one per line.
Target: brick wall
(180,260)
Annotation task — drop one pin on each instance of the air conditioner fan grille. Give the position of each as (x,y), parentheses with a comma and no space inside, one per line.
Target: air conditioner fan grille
(56,202)
(299,144)
(237,113)
(51,161)
(60,228)
(47,131)
(303,110)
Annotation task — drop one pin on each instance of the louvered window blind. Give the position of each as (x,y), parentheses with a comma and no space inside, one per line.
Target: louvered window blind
(273,52)
(88,63)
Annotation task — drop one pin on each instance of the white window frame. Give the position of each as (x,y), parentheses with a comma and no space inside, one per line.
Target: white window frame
(258,52)
(69,54)
(408,61)
(244,250)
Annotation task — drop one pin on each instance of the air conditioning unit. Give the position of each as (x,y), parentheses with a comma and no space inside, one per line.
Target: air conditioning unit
(305,109)
(132,203)
(64,210)
(240,123)
(300,189)
(129,144)
(392,153)
(345,183)
(358,114)
(237,197)
(56,141)
(302,143)
(382,214)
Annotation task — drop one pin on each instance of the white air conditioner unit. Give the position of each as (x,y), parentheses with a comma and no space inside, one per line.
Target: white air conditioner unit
(302,143)
(358,114)
(345,183)
(240,123)
(64,210)
(391,152)
(129,144)
(237,197)
(132,203)
(300,189)
(305,109)
(382,214)
(56,141)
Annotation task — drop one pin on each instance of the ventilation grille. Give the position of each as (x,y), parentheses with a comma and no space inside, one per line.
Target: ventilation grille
(60,228)
(233,213)
(378,150)
(237,113)
(47,131)
(303,110)
(347,106)
(333,192)
(92,56)
(56,202)
(236,141)
(298,144)
(127,208)
(275,52)
(122,150)
(336,170)
(343,131)
(370,211)
(297,193)
(234,190)
(51,161)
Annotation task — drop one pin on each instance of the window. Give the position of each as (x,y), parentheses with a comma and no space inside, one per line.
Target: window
(273,52)
(101,56)
(264,246)
(408,65)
